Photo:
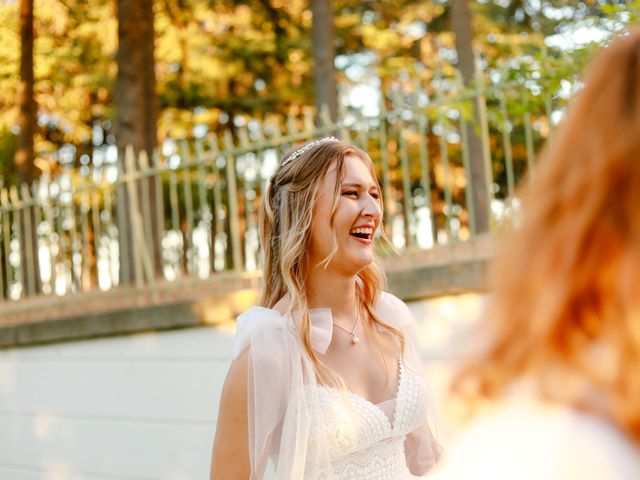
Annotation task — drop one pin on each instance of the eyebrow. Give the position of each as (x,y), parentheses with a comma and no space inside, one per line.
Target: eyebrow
(358,185)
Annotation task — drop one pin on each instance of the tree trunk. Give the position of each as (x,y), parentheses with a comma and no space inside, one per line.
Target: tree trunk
(462,27)
(24,158)
(323,46)
(135,127)
(27,116)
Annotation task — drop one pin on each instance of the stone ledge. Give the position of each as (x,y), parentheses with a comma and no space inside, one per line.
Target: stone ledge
(443,270)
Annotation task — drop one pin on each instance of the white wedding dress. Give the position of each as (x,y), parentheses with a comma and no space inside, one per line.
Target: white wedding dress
(315,432)
(363,440)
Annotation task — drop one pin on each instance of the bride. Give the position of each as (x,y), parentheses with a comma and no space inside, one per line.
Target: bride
(325,381)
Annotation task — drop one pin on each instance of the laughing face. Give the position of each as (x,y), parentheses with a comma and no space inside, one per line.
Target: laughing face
(357,216)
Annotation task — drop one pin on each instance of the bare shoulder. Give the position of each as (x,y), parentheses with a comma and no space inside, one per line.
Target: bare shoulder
(235,384)
(231,439)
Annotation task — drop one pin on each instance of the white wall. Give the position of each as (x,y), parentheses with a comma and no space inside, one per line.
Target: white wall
(144,406)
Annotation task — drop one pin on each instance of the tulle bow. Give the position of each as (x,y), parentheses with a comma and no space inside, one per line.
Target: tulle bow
(258,319)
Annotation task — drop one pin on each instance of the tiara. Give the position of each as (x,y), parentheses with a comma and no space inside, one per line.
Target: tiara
(307,147)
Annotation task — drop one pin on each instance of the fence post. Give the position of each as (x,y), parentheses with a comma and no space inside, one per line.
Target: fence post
(94,205)
(506,144)
(125,256)
(528,138)
(187,191)
(232,191)
(6,232)
(384,160)
(483,119)
(423,131)
(30,243)
(407,196)
(146,183)
(85,206)
(142,260)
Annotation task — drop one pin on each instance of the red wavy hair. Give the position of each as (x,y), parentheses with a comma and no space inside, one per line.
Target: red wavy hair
(565,308)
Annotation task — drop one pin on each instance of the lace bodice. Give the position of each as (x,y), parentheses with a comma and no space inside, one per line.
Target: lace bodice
(361,440)
(312,432)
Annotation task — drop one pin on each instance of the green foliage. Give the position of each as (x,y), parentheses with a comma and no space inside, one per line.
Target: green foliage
(220,61)
(230,59)
(8,148)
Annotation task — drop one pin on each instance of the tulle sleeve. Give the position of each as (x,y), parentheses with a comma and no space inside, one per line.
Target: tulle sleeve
(260,330)
(281,405)
(278,409)
(424,445)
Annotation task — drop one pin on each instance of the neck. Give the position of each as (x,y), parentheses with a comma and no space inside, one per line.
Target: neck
(331,289)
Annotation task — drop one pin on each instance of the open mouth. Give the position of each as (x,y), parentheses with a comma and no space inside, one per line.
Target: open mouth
(364,233)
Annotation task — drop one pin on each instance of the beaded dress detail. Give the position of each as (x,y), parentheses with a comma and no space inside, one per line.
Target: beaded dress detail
(361,440)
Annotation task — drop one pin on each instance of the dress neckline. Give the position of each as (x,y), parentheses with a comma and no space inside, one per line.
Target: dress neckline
(376,406)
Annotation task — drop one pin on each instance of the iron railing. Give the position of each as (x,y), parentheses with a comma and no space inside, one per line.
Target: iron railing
(67,234)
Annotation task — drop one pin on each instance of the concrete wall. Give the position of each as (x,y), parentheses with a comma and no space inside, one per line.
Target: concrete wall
(144,406)
(191,302)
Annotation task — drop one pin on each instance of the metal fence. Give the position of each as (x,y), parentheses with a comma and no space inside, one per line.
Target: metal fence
(189,212)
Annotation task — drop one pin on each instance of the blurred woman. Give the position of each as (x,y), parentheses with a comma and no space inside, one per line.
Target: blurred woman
(558,378)
(325,382)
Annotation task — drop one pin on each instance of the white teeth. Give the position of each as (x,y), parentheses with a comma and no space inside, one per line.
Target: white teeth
(362,230)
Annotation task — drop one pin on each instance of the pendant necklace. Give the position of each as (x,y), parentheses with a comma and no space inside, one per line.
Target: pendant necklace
(354,338)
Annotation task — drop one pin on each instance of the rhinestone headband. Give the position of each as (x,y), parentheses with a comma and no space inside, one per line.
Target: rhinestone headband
(307,147)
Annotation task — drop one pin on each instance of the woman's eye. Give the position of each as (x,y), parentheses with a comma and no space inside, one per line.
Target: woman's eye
(375,195)
(351,193)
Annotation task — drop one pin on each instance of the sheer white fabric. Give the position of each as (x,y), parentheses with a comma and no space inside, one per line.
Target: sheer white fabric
(315,432)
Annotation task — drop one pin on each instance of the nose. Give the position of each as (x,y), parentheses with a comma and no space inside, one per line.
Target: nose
(371,208)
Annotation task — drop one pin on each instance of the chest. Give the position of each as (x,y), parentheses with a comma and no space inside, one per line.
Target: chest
(370,370)
(343,422)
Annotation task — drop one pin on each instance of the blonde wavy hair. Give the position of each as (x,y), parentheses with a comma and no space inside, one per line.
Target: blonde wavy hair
(286,214)
(564,316)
